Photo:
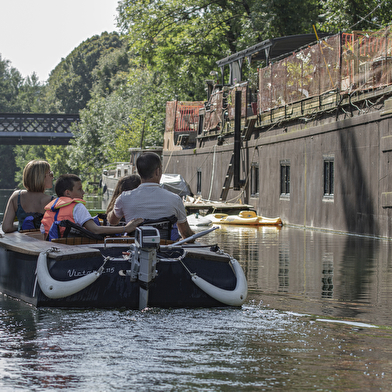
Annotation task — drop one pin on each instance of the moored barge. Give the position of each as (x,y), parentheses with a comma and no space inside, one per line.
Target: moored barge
(310,142)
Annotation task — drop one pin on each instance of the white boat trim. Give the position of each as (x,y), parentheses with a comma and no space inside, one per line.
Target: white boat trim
(234,297)
(59,289)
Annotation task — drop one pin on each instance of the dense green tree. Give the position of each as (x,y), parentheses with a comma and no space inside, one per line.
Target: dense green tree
(111,124)
(10,83)
(111,72)
(70,83)
(69,89)
(348,15)
(29,95)
(182,40)
(9,87)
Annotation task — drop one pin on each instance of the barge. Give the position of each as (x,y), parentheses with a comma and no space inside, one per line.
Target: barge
(310,141)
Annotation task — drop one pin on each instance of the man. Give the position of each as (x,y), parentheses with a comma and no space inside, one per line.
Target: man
(149,200)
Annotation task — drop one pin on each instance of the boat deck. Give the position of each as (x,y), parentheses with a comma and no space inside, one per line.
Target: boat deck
(31,245)
(212,207)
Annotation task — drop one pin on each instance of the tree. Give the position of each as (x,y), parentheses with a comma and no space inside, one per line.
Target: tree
(348,15)
(70,83)
(29,95)
(111,124)
(111,71)
(182,40)
(10,83)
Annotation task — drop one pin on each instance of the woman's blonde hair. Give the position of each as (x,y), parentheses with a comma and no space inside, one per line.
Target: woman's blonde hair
(126,183)
(34,175)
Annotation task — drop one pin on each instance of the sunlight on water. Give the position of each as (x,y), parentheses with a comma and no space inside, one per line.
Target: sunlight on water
(253,348)
(297,330)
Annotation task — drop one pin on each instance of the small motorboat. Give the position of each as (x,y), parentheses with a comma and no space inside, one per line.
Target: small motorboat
(243,218)
(121,272)
(198,220)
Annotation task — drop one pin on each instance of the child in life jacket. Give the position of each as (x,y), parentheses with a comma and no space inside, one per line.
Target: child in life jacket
(70,205)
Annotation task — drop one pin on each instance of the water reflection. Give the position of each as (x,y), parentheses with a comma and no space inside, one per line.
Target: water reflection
(314,271)
(276,341)
(248,349)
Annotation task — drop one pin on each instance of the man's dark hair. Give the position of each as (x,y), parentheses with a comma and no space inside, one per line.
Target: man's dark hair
(65,182)
(147,163)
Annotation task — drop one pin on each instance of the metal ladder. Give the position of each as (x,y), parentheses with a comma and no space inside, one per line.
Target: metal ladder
(229,176)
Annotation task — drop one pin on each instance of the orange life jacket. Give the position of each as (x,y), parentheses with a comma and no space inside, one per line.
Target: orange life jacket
(58,210)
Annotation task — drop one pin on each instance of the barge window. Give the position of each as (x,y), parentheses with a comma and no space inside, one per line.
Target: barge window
(198,186)
(201,124)
(254,179)
(285,178)
(329,174)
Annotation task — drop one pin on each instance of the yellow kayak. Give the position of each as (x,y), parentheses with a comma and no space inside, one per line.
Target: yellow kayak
(244,218)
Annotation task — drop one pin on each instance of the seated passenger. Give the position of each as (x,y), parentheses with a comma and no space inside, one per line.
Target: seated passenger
(126,183)
(37,177)
(149,200)
(71,206)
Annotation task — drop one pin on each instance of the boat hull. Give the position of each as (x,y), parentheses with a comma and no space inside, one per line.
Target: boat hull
(172,287)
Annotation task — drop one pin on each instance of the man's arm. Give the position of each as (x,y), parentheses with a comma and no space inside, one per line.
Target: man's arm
(184,229)
(112,218)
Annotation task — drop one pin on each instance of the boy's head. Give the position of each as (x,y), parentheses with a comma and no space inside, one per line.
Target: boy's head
(69,185)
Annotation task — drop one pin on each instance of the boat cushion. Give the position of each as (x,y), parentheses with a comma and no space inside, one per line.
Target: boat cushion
(167,227)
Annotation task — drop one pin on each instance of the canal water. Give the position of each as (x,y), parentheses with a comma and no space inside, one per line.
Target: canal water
(317,318)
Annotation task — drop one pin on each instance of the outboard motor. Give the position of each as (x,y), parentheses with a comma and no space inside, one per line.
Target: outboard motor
(144,260)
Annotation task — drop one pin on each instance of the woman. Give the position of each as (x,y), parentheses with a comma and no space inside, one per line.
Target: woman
(126,183)
(37,177)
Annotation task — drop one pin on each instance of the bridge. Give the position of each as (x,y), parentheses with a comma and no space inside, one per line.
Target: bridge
(34,128)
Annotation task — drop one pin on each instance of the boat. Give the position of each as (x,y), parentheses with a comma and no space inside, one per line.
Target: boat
(309,139)
(244,218)
(133,273)
(198,220)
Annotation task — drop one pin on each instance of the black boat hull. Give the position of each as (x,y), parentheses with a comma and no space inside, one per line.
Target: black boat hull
(172,287)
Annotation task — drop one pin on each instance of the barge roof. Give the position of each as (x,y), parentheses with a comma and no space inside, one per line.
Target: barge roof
(272,48)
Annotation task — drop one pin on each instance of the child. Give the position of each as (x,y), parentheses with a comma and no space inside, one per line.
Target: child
(71,206)
(126,183)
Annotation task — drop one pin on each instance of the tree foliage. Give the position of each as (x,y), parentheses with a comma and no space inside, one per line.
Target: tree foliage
(111,124)
(348,15)
(70,83)
(120,83)
(16,95)
(183,39)
(10,82)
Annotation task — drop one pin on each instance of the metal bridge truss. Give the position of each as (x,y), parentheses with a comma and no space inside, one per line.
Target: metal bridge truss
(33,128)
